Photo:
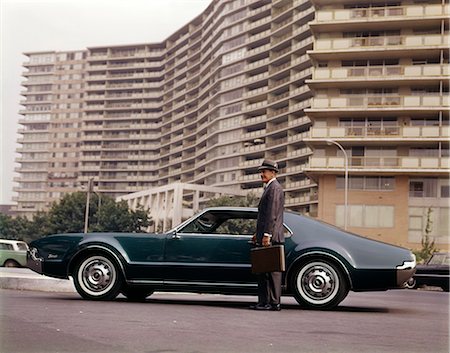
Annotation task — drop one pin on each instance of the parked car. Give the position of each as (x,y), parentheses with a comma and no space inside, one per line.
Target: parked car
(435,272)
(13,253)
(210,253)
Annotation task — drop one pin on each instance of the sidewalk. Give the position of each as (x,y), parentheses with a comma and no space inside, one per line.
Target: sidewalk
(25,279)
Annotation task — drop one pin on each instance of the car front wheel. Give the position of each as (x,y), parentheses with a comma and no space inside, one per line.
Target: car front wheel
(97,277)
(319,284)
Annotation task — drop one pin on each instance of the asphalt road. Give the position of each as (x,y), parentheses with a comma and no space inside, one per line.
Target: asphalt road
(394,321)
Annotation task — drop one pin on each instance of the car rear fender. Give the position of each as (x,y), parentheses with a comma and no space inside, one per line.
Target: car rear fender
(97,249)
(323,255)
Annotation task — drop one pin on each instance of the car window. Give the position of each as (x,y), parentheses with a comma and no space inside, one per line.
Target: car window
(22,246)
(219,222)
(202,225)
(440,259)
(225,222)
(237,226)
(5,246)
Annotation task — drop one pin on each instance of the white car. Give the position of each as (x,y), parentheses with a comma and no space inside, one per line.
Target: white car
(13,253)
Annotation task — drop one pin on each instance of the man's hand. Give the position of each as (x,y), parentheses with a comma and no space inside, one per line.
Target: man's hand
(254,239)
(266,241)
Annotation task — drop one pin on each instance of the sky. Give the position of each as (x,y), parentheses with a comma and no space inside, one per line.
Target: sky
(40,25)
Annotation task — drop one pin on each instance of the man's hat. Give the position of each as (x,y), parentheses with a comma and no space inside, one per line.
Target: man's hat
(270,165)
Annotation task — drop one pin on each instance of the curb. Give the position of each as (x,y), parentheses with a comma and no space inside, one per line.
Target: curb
(24,279)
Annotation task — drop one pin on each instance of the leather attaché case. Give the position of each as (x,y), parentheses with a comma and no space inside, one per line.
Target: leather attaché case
(268,259)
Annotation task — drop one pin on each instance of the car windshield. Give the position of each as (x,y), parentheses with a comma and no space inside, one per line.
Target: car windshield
(440,259)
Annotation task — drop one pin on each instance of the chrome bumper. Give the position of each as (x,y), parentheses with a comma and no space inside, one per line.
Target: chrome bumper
(34,262)
(405,272)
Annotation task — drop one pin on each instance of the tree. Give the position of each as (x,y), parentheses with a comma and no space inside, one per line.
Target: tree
(428,245)
(67,216)
(15,228)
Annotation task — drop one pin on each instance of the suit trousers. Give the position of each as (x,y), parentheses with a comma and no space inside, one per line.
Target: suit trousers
(269,288)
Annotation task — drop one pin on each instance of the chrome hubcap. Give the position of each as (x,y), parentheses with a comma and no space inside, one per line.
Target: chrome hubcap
(318,282)
(97,274)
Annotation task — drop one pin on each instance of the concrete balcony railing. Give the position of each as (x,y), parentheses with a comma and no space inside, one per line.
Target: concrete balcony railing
(254,134)
(381,163)
(251,164)
(394,132)
(299,184)
(419,11)
(299,200)
(392,72)
(381,101)
(407,42)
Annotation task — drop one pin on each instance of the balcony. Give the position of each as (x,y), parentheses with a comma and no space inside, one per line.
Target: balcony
(430,41)
(421,133)
(375,102)
(388,164)
(397,72)
(418,11)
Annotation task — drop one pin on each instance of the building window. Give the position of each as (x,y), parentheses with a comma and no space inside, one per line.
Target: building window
(366,216)
(366,183)
(437,219)
(426,187)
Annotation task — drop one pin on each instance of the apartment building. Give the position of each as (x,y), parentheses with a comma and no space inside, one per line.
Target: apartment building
(234,86)
(50,129)
(381,103)
(205,106)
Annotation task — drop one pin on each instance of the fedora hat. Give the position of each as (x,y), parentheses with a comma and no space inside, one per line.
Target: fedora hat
(270,165)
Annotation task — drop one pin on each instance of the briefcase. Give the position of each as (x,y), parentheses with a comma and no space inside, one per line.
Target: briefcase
(268,259)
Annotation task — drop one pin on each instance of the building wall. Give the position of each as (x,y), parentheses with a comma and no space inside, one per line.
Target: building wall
(330,197)
(380,111)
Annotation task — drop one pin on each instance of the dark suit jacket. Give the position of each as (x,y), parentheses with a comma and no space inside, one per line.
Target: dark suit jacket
(270,213)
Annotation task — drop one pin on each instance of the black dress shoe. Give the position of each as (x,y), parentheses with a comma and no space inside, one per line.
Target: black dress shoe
(275,307)
(261,307)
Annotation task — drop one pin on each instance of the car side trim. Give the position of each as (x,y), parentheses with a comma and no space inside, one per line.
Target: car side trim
(430,275)
(196,264)
(216,284)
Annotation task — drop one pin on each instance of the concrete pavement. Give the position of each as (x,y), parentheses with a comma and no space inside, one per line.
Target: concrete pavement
(25,279)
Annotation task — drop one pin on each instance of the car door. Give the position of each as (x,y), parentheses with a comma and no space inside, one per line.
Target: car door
(213,249)
(145,254)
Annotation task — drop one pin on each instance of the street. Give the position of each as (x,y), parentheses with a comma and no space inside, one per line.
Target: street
(393,321)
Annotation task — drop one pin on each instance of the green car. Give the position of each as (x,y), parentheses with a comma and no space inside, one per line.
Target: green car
(13,253)
(210,253)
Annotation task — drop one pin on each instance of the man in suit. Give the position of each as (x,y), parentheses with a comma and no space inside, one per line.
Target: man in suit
(269,230)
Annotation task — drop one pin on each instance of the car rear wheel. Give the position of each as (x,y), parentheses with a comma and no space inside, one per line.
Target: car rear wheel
(136,294)
(319,284)
(97,277)
(11,263)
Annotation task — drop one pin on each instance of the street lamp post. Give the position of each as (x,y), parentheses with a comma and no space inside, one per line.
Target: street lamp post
(345,179)
(86,215)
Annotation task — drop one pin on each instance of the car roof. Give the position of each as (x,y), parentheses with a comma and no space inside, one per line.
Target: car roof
(9,241)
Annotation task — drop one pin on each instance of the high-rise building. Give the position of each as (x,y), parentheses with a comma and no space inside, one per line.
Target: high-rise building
(381,103)
(234,86)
